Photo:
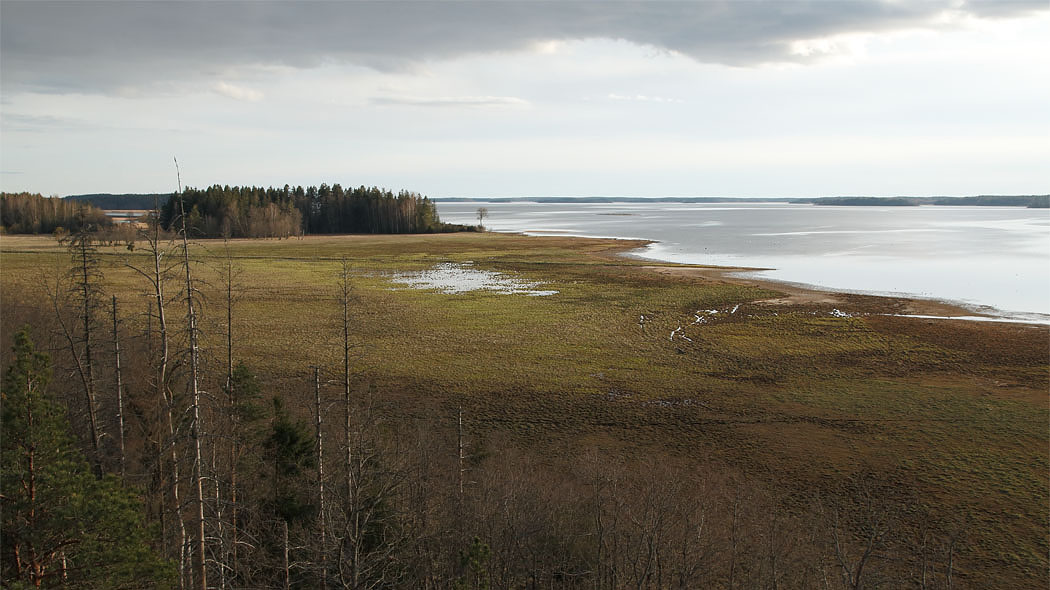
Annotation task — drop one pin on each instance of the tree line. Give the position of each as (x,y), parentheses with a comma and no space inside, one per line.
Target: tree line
(180,468)
(249,212)
(31,213)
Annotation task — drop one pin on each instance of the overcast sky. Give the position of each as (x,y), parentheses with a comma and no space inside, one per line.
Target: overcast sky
(731,98)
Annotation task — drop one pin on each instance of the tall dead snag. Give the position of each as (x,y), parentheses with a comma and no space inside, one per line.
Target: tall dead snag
(86,287)
(365,538)
(158,275)
(345,290)
(350,498)
(195,397)
(285,564)
(229,278)
(244,411)
(149,328)
(120,394)
(228,528)
(322,530)
(460,469)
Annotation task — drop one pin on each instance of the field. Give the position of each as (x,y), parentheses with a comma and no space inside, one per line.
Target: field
(803,393)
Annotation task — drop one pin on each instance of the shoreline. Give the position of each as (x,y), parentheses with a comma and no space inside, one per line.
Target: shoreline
(984,281)
(793,294)
(798,294)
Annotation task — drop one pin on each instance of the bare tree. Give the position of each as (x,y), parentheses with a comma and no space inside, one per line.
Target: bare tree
(227,528)
(321,512)
(352,521)
(194,389)
(86,285)
(860,529)
(120,394)
(369,539)
(482,213)
(460,455)
(158,274)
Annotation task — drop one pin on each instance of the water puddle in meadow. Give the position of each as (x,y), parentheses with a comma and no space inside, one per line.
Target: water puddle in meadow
(454,278)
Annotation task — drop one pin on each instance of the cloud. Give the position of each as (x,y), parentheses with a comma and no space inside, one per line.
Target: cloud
(643,98)
(39,123)
(95,46)
(237,92)
(450,101)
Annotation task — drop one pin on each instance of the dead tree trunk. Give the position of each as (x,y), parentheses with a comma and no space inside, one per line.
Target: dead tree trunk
(322,530)
(351,496)
(149,329)
(87,298)
(347,401)
(68,332)
(228,279)
(195,397)
(157,276)
(287,568)
(86,284)
(459,446)
(230,545)
(120,394)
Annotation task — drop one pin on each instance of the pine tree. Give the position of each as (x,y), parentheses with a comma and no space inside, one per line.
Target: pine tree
(61,525)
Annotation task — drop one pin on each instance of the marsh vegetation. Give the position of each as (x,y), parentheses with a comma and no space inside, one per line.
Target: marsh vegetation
(617,433)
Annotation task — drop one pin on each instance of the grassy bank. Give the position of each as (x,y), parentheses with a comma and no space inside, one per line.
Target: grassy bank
(801,396)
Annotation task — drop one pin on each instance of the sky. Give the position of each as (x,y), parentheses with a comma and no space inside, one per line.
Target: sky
(741,98)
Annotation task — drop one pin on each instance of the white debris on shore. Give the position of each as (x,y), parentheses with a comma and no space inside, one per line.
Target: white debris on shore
(454,278)
(682,336)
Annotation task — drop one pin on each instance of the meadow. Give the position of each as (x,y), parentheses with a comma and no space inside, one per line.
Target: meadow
(650,366)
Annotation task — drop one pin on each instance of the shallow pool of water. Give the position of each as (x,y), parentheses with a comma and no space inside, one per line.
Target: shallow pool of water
(454,278)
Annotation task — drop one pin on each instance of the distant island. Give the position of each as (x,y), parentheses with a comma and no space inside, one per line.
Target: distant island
(1030,201)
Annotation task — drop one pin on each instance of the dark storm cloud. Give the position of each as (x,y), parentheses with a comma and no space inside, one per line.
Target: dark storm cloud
(101,46)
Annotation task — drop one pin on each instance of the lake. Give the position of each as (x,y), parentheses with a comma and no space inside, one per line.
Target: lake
(990,259)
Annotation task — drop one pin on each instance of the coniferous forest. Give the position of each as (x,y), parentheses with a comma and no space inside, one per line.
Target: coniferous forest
(246,212)
(255,212)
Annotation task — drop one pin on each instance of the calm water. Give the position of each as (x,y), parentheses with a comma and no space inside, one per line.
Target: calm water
(984,257)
